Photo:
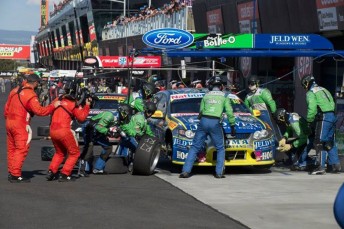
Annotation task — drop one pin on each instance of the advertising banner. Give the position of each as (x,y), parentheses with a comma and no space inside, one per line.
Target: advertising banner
(225,41)
(330,14)
(92,32)
(214,20)
(248,17)
(44,12)
(123,61)
(291,41)
(15,52)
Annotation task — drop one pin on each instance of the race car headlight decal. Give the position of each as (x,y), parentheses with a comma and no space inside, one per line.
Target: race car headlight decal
(186,133)
(189,134)
(260,134)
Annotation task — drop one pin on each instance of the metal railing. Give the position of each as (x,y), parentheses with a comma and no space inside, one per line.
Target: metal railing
(182,19)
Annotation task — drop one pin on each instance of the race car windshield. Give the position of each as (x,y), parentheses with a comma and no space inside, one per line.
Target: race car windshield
(238,106)
(186,105)
(106,104)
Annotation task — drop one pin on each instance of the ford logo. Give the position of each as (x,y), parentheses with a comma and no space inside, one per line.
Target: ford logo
(168,38)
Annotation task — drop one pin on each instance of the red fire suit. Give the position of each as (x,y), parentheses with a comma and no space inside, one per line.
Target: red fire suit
(17,115)
(63,137)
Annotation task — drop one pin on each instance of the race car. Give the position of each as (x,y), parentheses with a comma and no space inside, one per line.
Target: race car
(105,102)
(175,123)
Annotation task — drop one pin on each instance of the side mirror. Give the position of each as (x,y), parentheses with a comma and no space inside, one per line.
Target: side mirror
(158,114)
(256,113)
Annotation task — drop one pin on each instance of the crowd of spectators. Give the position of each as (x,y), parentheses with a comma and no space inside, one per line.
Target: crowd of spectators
(148,12)
(59,6)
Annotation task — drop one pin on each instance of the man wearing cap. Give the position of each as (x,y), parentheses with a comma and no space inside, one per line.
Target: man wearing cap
(21,105)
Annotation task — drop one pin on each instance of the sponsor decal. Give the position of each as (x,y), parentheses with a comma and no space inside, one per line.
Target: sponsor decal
(168,38)
(263,156)
(183,114)
(236,143)
(181,155)
(263,144)
(181,142)
(111,97)
(123,61)
(90,60)
(186,96)
(172,125)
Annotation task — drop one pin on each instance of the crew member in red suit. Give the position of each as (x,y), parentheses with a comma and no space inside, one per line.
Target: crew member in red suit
(63,137)
(21,105)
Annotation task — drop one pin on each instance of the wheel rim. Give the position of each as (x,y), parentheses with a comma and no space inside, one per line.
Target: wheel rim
(155,159)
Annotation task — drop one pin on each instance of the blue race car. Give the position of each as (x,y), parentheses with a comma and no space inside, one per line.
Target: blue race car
(175,123)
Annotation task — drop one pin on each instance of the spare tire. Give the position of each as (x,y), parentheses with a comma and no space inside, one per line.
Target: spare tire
(116,165)
(146,156)
(43,131)
(47,153)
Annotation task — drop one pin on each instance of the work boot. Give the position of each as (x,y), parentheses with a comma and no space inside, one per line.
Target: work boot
(219,176)
(318,171)
(18,179)
(184,175)
(98,171)
(51,176)
(336,168)
(65,178)
(82,169)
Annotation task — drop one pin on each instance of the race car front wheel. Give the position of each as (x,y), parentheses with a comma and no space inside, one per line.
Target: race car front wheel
(146,156)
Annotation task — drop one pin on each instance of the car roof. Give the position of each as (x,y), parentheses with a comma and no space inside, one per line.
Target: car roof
(183,91)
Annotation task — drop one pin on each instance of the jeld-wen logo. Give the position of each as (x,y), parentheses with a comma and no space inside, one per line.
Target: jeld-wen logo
(289,39)
(168,38)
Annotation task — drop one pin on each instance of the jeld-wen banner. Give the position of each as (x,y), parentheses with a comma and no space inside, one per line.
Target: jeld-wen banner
(15,52)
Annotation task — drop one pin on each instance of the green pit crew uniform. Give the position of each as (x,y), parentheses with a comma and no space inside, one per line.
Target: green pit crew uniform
(134,130)
(262,100)
(320,108)
(212,106)
(297,128)
(96,132)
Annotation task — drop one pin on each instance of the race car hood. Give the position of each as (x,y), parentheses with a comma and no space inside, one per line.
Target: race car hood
(244,122)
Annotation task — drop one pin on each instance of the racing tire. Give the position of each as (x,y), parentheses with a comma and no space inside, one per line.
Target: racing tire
(146,156)
(47,153)
(43,131)
(115,165)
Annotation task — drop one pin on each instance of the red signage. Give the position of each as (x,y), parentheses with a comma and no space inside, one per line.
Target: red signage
(122,62)
(15,52)
(92,32)
(214,20)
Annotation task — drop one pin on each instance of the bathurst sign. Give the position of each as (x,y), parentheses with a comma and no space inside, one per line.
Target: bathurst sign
(123,61)
(15,52)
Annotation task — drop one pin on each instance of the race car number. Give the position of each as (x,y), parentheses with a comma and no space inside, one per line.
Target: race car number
(263,156)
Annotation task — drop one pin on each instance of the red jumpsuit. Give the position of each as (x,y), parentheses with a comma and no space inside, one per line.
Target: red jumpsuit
(18,131)
(63,137)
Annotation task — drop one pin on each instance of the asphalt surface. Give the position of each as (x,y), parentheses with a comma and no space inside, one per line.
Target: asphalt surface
(100,201)
(246,198)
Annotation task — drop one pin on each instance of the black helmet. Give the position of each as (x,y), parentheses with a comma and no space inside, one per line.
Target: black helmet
(124,111)
(149,108)
(214,81)
(307,81)
(281,115)
(253,80)
(148,89)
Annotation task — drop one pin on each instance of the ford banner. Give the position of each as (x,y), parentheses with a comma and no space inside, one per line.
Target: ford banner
(168,38)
